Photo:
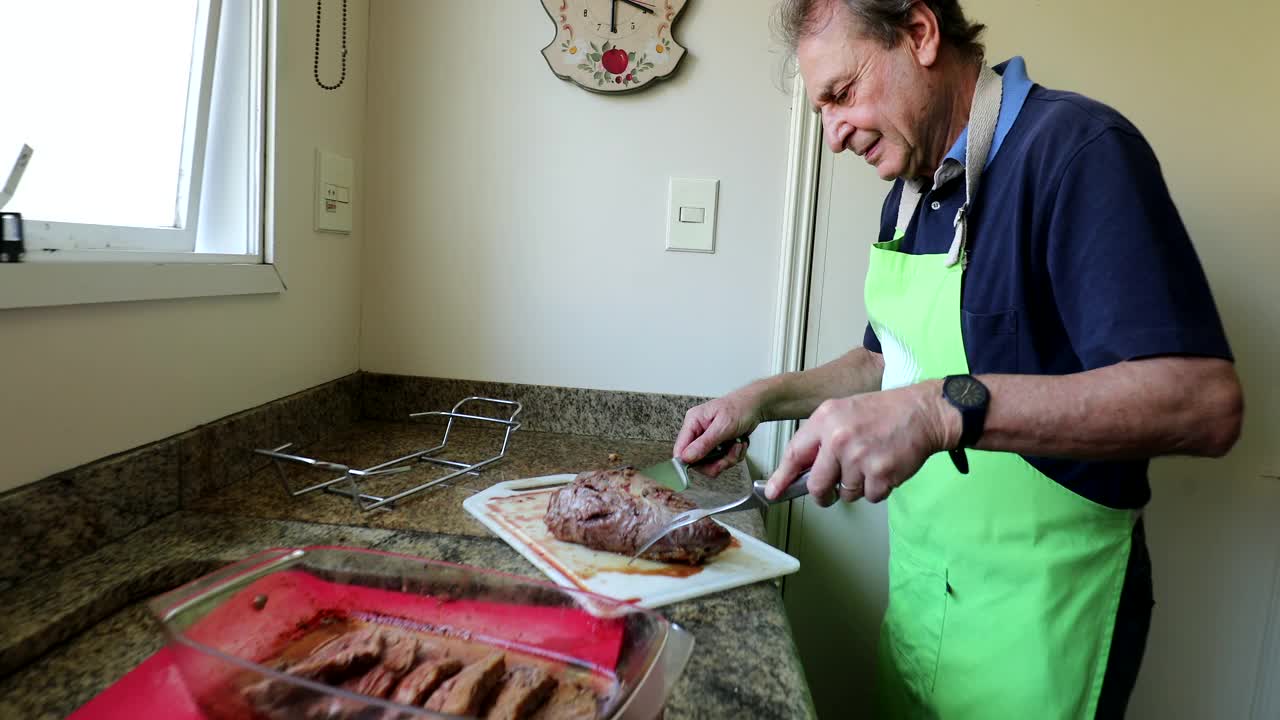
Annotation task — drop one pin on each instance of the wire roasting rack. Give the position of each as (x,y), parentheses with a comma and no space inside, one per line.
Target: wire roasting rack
(348,483)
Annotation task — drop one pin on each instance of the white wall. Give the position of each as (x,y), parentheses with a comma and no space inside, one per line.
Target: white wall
(516,222)
(83,382)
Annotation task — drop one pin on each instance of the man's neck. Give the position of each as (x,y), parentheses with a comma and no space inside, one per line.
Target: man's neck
(957,90)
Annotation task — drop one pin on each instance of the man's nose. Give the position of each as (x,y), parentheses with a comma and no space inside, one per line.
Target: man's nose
(835,132)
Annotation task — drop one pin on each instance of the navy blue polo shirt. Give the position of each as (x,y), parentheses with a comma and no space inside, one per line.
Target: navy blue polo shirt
(1077,260)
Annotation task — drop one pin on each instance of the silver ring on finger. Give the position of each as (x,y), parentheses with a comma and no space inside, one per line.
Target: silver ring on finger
(841,486)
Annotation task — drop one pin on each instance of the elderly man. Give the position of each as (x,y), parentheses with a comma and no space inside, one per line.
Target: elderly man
(1039,327)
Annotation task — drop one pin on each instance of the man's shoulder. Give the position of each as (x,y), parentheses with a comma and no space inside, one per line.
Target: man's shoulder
(1056,126)
(1061,122)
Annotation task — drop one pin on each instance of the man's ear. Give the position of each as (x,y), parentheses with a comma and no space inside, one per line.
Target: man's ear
(921,34)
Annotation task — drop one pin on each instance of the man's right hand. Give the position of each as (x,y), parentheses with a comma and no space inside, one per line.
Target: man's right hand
(708,425)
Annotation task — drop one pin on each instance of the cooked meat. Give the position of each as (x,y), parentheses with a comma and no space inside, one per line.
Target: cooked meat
(466,692)
(399,656)
(617,510)
(401,652)
(419,684)
(342,657)
(570,701)
(333,662)
(332,708)
(523,690)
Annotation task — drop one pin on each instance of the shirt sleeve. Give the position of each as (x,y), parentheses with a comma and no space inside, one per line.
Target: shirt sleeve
(1123,272)
(870,341)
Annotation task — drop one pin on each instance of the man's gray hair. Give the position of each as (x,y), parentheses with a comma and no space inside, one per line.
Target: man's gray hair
(882,20)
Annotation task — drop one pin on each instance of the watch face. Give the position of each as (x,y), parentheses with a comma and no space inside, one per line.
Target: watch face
(966,391)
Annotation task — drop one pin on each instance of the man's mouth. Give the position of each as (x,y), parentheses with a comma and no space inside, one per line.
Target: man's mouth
(866,154)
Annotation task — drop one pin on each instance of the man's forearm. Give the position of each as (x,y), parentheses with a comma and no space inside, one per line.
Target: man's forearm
(792,396)
(1139,409)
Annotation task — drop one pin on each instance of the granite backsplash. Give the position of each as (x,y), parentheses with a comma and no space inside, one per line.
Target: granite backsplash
(52,522)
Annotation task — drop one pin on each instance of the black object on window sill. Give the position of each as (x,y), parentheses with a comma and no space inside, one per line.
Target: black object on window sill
(11,246)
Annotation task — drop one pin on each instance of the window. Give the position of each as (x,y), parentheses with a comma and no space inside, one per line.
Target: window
(147,121)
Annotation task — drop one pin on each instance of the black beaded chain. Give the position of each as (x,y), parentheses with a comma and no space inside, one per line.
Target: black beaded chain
(316,61)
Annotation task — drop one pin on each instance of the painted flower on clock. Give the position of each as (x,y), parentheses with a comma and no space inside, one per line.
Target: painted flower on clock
(572,52)
(661,50)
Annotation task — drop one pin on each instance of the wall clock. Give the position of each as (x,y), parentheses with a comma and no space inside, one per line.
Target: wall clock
(613,46)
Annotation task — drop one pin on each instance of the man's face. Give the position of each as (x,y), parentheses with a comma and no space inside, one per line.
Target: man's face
(874,100)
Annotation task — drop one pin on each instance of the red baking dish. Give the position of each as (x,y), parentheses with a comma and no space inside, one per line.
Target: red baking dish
(230,634)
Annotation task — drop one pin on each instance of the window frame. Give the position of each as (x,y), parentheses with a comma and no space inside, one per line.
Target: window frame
(90,276)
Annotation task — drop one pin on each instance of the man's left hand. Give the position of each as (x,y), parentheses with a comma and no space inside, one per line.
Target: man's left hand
(867,445)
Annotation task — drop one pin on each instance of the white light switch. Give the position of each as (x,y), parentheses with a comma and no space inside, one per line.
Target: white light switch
(334,176)
(691,214)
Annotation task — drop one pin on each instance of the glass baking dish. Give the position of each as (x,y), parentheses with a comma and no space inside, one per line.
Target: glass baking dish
(241,629)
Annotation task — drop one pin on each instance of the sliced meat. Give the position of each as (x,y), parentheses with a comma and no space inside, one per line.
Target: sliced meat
(424,679)
(400,652)
(570,701)
(342,657)
(466,693)
(333,662)
(524,689)
(617,510)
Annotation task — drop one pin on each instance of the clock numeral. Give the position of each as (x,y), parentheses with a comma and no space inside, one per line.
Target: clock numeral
(633,26)
(599,26)
(584,12)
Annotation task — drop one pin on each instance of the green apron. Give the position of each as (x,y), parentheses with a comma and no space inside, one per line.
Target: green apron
(1003,585)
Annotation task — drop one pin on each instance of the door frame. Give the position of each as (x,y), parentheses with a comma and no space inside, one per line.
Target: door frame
(800,204)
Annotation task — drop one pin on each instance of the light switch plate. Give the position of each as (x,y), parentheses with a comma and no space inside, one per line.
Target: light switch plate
(334,177)
(691,214)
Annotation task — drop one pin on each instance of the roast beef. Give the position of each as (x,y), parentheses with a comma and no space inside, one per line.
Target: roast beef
(333,662)
(400,654)
(570,701)
(418,685)
(617,511)
(343,656)
(466,693)
(523,690)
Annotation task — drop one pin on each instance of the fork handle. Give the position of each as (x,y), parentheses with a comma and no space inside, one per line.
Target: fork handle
(798,488)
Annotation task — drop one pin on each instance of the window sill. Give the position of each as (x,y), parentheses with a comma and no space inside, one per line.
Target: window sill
(45,284)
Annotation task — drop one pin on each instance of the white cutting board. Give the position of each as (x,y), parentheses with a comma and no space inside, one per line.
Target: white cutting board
(513,511)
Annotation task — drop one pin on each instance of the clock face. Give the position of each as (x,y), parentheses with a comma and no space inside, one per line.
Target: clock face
(612,20)
(613,46)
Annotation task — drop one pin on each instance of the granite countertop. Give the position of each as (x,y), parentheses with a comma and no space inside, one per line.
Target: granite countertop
(69,633)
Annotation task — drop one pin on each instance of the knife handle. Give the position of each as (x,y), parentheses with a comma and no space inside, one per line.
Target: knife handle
(798,488)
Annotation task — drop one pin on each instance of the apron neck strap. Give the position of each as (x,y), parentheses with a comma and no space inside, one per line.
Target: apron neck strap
(983,115)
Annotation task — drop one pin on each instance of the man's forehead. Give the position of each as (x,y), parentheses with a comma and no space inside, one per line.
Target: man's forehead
(825,57)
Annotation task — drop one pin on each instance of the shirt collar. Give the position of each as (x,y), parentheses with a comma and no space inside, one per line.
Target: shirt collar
(1013,95)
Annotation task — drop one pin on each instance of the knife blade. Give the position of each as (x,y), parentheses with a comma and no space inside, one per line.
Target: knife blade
(674,473)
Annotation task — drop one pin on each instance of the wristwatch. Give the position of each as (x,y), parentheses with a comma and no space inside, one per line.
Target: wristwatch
(968,395)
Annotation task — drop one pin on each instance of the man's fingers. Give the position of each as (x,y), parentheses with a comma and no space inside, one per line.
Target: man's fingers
(715,433)
(852,484)
(735,455)
(798,457)
(823,477)
(693,426)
